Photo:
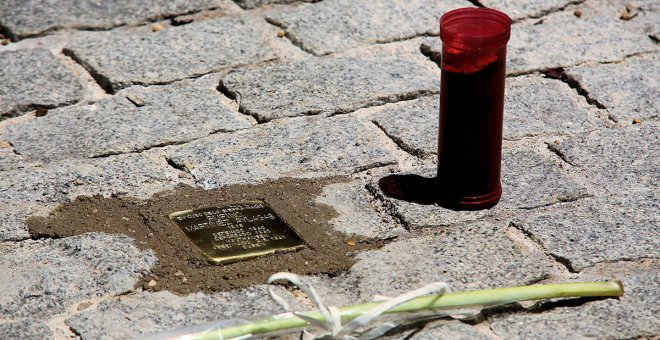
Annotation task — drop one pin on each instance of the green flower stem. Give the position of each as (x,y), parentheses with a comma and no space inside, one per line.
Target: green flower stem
(612,288)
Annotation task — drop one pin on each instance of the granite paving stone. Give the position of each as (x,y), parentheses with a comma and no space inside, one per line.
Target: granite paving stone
(34,78)
(147,313)
(44,277)
(139,57)
(533,106)
(328,86)
(165,115)
(629,90)
(590,231)
(473,256)
(302,147)
(25,329)
(517,10)
(621,161)
(29,18)
(530,179)
(249,4)
(413,124)
(569,42)
(335,25)
(357,214)
(449,330)
(632,316)
(37,190)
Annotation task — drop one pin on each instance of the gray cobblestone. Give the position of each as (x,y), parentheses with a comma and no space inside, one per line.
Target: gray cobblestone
(248,4)
(620,161)
(449,330)
(569,42)
(28,18)
(44,277)
(307,146)
(412,124)
(35,191)
(120,59)
(634,315)
(356,215)
(462,256)
(526,9)
(535,105)
(26,329)
(590,231)
(146,313)
(34,78)
(327,86)
(167,114)
(335,25)
(529,180)
(628,89)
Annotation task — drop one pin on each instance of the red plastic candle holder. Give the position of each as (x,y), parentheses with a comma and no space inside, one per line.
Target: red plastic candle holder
(471,107)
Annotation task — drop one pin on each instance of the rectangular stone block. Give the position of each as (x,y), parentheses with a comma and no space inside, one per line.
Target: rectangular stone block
(133,120)
(616,160)
(29,18)
(327,86)
(118,59)
(571,41)
(334,25)
(590,231)
(35,78)
(293,148)
(464,257)
(629,90)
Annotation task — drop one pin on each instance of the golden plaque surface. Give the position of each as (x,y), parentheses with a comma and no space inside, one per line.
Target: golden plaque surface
(237,232)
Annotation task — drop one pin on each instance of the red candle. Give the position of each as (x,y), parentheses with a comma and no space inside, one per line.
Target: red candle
(471,107)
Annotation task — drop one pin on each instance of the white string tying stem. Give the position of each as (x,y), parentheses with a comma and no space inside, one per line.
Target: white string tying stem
(332,324)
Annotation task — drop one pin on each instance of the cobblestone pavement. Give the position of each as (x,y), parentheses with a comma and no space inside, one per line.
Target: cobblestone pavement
(132,98)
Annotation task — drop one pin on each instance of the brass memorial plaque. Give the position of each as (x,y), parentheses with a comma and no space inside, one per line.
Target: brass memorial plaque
(237,232)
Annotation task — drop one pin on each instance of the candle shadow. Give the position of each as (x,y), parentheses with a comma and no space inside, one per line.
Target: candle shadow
(409,188)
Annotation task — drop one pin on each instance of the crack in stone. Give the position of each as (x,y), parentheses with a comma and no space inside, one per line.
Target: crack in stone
(549,11)
(434,56)
(389,208)
(294,41)
(476,3)
(179,167)
(575,84)
(553,148)
(560,259)
(400,143)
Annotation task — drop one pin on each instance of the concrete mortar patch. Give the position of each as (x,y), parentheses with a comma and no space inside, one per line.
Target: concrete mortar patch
(182,267)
